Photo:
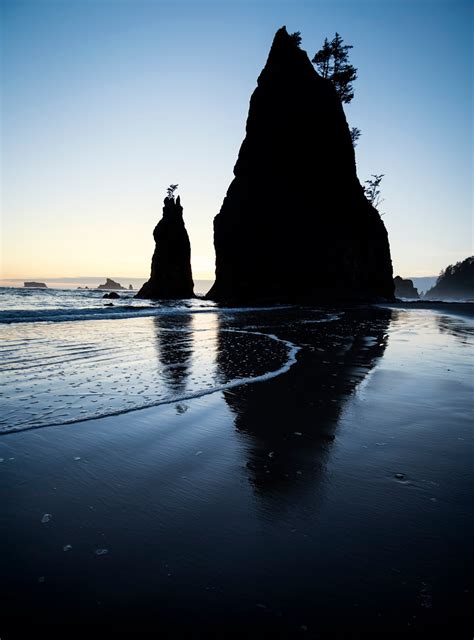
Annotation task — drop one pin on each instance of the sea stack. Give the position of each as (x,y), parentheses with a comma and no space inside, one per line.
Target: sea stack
(110,284)
(171,276)
(404,288)
(295,223)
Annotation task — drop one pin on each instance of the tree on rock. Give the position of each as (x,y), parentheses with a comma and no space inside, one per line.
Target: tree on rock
(372,190)
(332,62)
(355,135)
(170,191)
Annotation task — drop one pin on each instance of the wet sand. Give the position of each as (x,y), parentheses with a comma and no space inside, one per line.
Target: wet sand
(333,497)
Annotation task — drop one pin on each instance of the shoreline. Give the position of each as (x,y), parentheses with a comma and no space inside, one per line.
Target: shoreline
(453,307)
(210,508)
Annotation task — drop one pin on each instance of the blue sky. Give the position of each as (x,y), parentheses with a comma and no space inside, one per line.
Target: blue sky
(105,103)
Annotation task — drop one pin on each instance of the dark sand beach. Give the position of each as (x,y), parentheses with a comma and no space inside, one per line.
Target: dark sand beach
(330,491)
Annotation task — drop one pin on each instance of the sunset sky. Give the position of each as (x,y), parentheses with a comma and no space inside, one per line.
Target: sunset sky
(105,103)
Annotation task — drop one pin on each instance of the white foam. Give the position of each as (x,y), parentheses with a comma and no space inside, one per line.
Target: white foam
(32,422)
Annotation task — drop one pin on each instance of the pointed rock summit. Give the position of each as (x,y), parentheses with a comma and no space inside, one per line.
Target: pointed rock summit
(295,223)
(171,275)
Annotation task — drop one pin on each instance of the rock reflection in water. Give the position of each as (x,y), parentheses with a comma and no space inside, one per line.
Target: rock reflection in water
(289,422)
(174,345)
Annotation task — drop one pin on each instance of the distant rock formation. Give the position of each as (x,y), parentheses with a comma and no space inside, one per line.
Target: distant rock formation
(38,285)
(456,282)
(130,288)
(171,276)
(295,223)
(404,288)
(112,295)
(110,284)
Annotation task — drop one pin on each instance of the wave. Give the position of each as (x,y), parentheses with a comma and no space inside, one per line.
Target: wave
(115,313)
(292,351)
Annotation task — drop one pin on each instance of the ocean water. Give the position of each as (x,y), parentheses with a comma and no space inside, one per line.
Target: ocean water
(67,356)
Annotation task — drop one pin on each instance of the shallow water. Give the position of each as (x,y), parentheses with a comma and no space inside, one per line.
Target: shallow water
(334,496)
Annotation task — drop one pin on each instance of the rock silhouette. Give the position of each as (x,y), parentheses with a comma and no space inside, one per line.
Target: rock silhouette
(456,281)
(295,223)
(37,285)
(171,276)
(110,284)
(404,288)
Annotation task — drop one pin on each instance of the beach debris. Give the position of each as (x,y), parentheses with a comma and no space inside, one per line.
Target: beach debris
(101,552)
(297,433)
(77,457)
(181,408)
(271,454)
(198,453)
(46,518)
(400,476)
(67,547)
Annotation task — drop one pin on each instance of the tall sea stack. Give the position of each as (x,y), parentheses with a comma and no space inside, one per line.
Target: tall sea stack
(171,276)
(295,223)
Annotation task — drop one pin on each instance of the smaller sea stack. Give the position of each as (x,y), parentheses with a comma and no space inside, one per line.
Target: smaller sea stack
(110,284)
(404,288)
(171,276)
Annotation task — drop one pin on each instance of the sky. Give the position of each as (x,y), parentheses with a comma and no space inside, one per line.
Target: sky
(105,103)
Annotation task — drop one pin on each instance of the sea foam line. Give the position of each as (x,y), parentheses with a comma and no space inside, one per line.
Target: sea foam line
(293,350)
(116,313)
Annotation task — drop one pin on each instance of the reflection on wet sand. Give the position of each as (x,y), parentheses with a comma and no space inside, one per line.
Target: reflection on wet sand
(456,327)
(289,426)
(174,346)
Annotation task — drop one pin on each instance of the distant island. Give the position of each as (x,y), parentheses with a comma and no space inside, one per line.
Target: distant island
(456,281)
(37,285)
(110,284)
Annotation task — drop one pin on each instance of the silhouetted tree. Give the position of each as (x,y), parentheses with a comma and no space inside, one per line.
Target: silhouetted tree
(296,36)
(332,62)
(372,190)
(170,191)
(456,281)
(355,135)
